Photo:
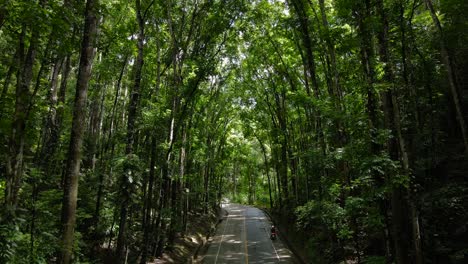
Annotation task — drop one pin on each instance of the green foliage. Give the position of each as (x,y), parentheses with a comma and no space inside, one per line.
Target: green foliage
(9,239)
(329,215)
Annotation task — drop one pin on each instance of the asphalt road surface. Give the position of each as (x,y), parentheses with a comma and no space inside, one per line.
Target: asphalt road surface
(244,237)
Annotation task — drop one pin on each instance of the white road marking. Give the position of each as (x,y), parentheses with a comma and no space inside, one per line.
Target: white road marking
(258,219)
(245,239)
(271,241)
(222,236)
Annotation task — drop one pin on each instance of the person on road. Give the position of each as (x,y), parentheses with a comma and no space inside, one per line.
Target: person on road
(273,232)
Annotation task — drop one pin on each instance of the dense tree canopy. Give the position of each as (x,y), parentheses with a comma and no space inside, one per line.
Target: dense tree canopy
(121,121)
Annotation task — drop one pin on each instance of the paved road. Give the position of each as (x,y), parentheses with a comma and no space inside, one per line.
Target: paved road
(243,237)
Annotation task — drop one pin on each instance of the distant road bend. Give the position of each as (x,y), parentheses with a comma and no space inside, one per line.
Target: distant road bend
(244,237)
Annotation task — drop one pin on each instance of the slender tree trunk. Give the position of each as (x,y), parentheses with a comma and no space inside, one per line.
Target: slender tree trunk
(94,126)
(108,144)
(283,151)
(50,123)
(367,59)
(301,12)
(448,61)
(131,131)
(76,138)
(23,100)
(267,170)
(32,253)
(182,170)
(147,231)
(397,145)
(293,166)
(276,152)
(6,83)
(206,180)
(332,56)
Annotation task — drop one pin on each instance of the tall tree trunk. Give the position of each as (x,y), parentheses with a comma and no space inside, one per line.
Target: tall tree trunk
(396,145)
(131,131)
(301,12)
(283,151)
(6,83)
(56,129)
(448,61)
(93,130)
(70,193)
(267,169)
(35,191)
(147,227)
(182,170)
(50,123)
(23,100)
(331,56)
(368,60)
(109,144)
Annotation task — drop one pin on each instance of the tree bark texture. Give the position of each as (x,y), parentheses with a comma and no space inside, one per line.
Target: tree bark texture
(23,100)
(131,131)
(398,151)
(448,61)
(300,9)
(76,138)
